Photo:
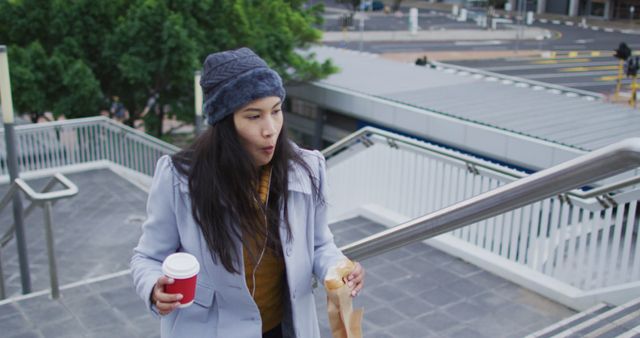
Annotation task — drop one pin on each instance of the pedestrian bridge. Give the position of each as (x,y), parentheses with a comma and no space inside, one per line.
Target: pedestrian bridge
(576,247)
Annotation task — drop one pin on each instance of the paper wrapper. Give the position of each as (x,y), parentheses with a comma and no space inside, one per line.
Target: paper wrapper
(345,322)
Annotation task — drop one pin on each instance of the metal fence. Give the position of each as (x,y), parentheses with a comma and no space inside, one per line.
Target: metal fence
(588,243)
(65,143)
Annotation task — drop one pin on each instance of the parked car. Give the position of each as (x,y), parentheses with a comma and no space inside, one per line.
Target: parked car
(372,5)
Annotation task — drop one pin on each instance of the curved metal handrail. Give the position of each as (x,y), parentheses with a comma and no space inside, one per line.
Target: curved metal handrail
(46,200)
(599,164)
(71,190)
(363,136)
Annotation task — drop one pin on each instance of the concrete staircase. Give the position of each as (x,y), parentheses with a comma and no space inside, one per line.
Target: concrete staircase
(601,321)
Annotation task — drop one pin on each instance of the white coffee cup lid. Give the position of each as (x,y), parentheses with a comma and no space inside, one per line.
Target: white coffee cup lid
(180,265)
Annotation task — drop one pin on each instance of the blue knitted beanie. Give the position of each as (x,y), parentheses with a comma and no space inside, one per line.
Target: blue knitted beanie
(231,79)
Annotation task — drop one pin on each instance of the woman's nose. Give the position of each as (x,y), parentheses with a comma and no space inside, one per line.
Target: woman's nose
(269,127)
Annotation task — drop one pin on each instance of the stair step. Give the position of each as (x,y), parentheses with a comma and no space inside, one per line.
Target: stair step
(615,328)
(572,321)
(634,333)
(597,323)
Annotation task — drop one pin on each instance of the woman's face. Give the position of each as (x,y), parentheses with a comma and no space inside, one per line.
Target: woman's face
(258,125)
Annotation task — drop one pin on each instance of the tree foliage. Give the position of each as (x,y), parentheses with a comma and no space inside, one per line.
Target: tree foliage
(72,57)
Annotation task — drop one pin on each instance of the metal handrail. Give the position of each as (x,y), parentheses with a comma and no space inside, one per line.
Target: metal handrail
(45,200)
(100,120)
(599,164)
(8,235)
(60,143)
(138,133)
(363,136)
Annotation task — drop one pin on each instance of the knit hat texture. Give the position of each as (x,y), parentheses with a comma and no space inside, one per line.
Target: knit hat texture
(232,79)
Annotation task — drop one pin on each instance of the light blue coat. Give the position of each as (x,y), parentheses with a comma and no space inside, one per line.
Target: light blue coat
(223,306)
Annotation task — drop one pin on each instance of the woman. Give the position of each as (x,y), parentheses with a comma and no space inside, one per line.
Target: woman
(249,205)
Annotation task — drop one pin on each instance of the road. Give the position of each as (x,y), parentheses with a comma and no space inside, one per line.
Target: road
(573,56)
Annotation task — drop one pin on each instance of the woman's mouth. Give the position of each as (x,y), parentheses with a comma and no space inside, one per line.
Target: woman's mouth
(268,150)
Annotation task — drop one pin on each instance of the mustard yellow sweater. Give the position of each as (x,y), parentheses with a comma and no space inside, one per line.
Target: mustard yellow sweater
(270,272)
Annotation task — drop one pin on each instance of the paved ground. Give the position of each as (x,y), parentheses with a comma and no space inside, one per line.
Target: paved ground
(419,291)
(416,291)
(94,231)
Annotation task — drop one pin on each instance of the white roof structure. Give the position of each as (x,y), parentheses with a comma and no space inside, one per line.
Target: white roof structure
(514,120)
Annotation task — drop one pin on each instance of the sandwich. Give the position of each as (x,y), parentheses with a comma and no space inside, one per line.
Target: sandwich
(336,274)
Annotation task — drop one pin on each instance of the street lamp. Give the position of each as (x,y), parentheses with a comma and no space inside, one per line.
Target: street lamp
(5,89)
(12,164)
(198,101)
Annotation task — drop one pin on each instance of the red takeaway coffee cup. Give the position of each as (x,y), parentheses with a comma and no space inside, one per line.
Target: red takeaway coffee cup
(183,268)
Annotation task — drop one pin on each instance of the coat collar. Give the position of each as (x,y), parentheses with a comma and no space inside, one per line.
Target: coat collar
(299,180)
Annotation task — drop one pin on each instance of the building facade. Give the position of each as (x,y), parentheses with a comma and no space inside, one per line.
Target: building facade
(605,9)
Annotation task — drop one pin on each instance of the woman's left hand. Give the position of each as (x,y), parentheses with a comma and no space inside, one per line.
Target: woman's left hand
(355,279)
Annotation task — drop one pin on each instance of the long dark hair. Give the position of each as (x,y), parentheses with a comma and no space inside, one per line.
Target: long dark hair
(223,185)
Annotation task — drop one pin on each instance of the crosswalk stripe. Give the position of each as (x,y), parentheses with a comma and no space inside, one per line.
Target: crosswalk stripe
(547,62)
(565,75)
(592,84)
(587,68)
(608,78)
(574,54)
(528,66)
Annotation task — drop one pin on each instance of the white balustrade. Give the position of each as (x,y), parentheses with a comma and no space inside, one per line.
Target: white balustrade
(581,243)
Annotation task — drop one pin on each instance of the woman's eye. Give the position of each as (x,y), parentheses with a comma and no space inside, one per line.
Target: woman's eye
(253,117)
(275,112)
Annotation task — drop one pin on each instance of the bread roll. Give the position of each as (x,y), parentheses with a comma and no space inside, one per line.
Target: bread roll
(334,277)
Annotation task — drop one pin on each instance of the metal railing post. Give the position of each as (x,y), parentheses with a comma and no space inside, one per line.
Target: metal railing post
(53,269)
(46,200)
(2,292)
(12,164)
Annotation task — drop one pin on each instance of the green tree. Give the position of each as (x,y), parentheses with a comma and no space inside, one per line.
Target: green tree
(72,57)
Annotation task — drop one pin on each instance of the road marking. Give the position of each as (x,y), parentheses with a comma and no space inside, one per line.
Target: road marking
(478,43)
(587,68)
(609,78)
(549,55)
(564,75)
(593,84)
(549,62)
(553,55)
(572,54)
(544,66)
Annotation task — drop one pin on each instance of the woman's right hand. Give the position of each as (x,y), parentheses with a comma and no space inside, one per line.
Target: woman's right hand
(165,302)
